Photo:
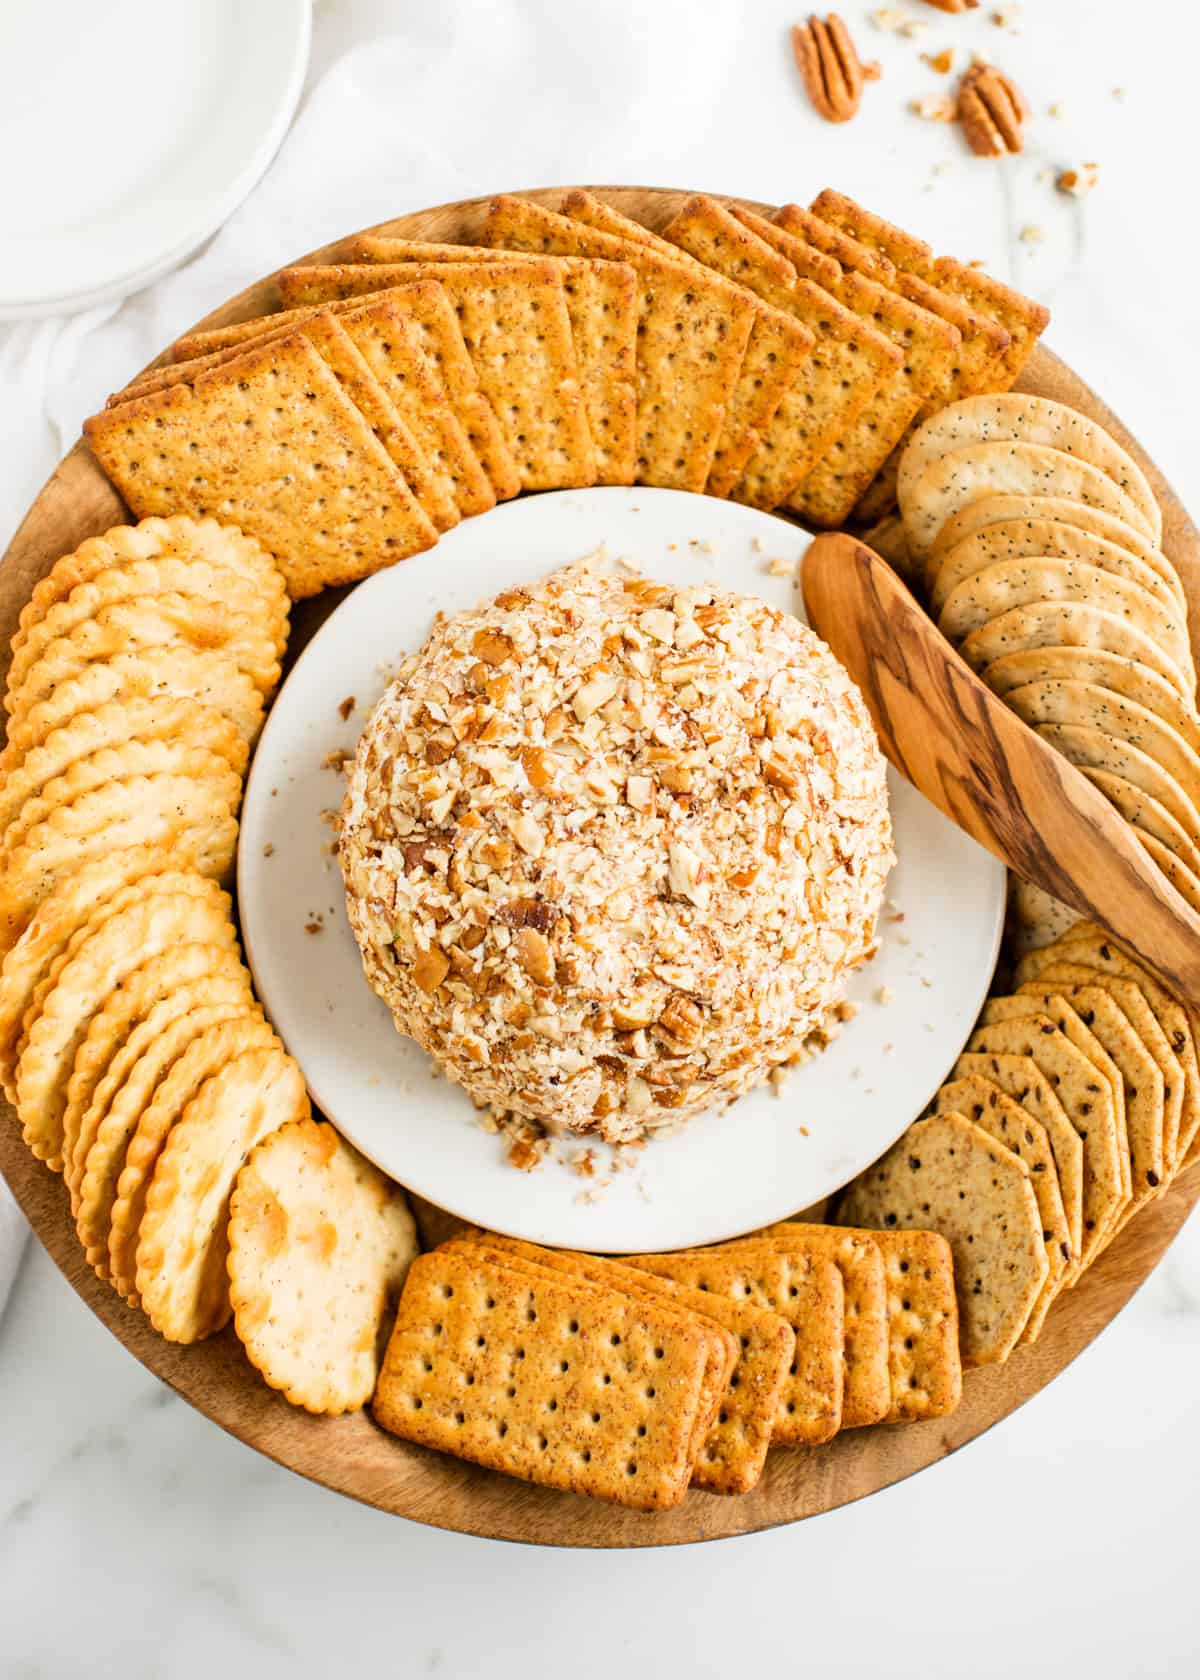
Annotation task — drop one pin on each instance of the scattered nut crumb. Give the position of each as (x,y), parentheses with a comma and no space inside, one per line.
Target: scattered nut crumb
(884,994)
(1057,109)
(1079,182)
(524,1153)
(338,759)
(346,707)
(1032,234)
(779,567)
(913,27)
(317,925)
(928,984)
(756,545)
(934,107)
(888,18)
(941,63)
(269,849)
(1007,17)
(804,1131)
(1118,93)
(584,1163)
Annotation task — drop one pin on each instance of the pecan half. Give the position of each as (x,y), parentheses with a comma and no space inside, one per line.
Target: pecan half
(829,65)
(953,5)
(992,111)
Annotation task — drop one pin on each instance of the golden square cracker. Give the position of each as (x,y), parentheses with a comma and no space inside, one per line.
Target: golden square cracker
(948,1175)
(807,1293)
(320,1243)
(554,1380)
(270,442)
(924,1364)
(1010,1124)
(693,333)
(778,347)
(156,911)
(516,328)
(602,303)
(183,1246)
(866,1390)
(838,244)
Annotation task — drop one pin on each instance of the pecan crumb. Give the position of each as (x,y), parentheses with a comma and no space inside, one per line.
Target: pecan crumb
(346,707)
(338,759)
(1032,234)
(941,63)
(934,107)
(317,925)
(1079,182)
(269,849)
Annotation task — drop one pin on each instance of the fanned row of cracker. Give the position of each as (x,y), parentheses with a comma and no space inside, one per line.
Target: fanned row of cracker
(633,1380)
(410,385)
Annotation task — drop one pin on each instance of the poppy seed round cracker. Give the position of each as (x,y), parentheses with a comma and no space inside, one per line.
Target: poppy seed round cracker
(1104,670)
(1071,624)
(1014,539)
(1062,510)
(1092,749)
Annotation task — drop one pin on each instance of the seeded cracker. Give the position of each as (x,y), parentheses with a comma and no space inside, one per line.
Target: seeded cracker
(230,444)
(924,1364)
(559,1382)
(1056,624)
(1021,538)
(1060,510)
(1042,669)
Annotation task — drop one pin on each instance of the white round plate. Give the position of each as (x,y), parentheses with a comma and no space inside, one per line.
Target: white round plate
(761,1159)
(132,130)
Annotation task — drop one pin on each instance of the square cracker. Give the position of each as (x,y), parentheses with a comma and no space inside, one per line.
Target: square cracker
(269,442)
(866,1391)
(844,369)
(807,1293)
(928,346)
(692,338)
(515,324)
(735,1443)
(948,1174)
(602,302)
(924,1363)
(522,1374)
(778,349)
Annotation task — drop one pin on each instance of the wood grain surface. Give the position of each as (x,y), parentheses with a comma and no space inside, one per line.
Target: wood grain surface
(350,1454)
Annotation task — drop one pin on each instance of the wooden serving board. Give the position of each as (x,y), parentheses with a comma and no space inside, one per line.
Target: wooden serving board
(350,1454)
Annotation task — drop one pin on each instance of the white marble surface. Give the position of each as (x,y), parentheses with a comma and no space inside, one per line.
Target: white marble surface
(137,1540)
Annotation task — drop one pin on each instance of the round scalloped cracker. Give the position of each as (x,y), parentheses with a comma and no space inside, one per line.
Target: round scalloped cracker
(118,764)
(1031,580)
(1092,749)
(178,980)
(74,686)
(1145,813)
(222,547)
(173,813)
(149,621)
(951,481)
(1183,879)
(176,908)
(319,1245)
(169,1070)
(143,1143)
(183,1247)
(1070,624)
(991,510)
(1015,417)
(69,907)
(168,717)
(1106,670)
(1017,539)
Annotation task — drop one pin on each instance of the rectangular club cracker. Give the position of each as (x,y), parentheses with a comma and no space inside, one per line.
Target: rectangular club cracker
(735,1444)
(230,446)
(602,303)
(692,338)
(550,1379)
(924,1365)
(807,1293)
(515,324)
(778,348)
(845,367)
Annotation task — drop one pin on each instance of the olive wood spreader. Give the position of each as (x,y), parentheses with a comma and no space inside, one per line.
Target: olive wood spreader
(988,771)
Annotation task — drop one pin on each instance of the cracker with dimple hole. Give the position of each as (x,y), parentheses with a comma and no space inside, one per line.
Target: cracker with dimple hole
(1012,539)
(270,442)
(924,1363)
(1016,417)
(73,686)
(693,330)
(776,352)
(723,1345)
(122,1162)
(866,1392)
(1020,1078)
(320,1243)
(517,331)
(552,1379)
(172,908)
(949,1175)
(1092,749)
(70,906)
(734,1449)
(1042,667)
(996,509)
(166,718)
(183,1246)
(835,381)
(209,608)
(173,813)
(111,764)
(1030,580)
(928,346)
(806,1292)
(1070,624)
(987,1106)
(134,1017)
(987,469)
(603,309)
(1087,1101)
